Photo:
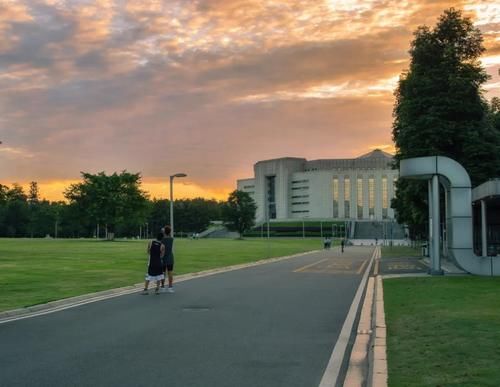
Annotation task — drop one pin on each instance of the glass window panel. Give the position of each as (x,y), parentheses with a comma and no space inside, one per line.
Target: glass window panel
(335,197)
(347,196)
(360,197)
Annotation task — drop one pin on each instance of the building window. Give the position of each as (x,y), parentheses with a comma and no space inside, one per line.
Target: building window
(299,196)
(271,196)
(248,186)
(300,181)
(347,196)
(360,197)
(300,202)
(371,197)
(299,188)
(385,197)
(335,197)
(300,212)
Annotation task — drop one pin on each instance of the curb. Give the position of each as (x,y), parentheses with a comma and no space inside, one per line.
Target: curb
(72,302)
(368,361)
(357,369)
(378,350)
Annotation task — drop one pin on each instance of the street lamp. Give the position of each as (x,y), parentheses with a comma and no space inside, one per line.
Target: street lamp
(172,199)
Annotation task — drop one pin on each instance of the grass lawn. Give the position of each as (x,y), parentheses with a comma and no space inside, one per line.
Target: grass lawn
(401,251)
(443,331)
(34,271)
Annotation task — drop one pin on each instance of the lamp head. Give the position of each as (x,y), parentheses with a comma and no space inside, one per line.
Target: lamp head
(179,175)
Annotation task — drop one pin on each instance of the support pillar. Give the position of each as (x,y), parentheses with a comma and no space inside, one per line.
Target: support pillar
(436,259)
(429,247)
(484,238)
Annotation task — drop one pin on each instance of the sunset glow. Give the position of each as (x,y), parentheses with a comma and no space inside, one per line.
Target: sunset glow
(203,87)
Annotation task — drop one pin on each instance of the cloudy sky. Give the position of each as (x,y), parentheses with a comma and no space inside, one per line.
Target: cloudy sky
(204,87)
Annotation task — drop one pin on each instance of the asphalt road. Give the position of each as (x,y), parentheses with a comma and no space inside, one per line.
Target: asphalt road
(269,325)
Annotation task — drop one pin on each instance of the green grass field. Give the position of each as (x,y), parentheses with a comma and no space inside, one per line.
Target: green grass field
(34,271)
(443,331)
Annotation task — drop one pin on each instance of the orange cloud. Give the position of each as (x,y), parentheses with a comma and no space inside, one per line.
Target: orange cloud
(206,87)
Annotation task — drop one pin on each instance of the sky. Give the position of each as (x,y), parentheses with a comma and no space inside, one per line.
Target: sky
(206,88)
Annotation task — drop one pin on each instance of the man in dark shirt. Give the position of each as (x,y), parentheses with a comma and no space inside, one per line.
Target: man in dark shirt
(168,258)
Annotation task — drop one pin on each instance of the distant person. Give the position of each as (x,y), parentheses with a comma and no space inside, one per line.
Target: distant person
(342,245)
(376,241)
(155,250)
(168,258)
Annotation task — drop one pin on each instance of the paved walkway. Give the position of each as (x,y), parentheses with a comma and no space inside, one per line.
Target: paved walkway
(269,325)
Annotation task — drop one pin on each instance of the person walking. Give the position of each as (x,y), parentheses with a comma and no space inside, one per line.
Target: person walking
(342,245)
(155,250)
(168,258)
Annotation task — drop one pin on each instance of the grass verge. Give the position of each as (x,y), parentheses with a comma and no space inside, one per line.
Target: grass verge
(34,271)
(443,331)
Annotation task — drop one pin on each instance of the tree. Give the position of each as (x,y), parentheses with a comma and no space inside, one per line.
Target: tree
(440,110)
(16,214)
(33,193)
(194,215)
(159,214)
(109,200)
(495,113)
(239,212)
(33,202)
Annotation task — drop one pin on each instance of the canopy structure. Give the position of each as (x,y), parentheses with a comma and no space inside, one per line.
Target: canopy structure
(438,170)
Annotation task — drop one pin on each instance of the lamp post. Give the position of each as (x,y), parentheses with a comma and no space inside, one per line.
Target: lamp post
(172,199)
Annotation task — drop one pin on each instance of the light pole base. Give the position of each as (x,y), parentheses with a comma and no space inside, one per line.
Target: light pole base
(435,272)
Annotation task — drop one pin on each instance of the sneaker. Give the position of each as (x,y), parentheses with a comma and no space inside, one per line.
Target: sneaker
(171,290)
(157,291)
(163,290)
(145,292)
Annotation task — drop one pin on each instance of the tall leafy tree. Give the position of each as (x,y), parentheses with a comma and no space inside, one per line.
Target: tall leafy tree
(440,110)
(33,201)
(495,113)
(239,212)
(109,200)
(33,193)
(194,215)
(16,215)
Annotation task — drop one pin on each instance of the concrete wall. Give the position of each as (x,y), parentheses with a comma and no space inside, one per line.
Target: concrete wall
(303,190)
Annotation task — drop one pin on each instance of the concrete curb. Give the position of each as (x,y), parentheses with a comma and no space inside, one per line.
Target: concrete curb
(378,354)
(357,369)
(368,362)
(71,302)
(360,363)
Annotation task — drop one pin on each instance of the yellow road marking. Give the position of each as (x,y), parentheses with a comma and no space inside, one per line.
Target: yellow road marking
(311,265)
(362,266)
(402,266)
(339,265)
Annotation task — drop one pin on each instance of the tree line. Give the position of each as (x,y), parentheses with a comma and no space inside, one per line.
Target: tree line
(104,206)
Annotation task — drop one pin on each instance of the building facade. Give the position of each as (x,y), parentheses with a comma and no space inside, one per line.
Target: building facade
(294,188)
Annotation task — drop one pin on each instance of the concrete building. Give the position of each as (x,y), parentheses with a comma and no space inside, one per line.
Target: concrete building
(345,189)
